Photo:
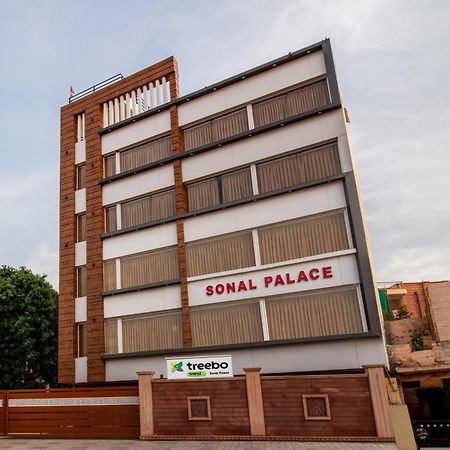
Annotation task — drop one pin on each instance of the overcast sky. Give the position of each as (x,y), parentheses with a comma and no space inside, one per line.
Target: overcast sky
(393,63)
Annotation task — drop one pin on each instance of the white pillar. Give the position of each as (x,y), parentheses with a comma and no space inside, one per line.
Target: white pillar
(127,106)
(116,110)
(111,112)
(133,103)
(139,101)
(158,92)
(105,114)
(122,108)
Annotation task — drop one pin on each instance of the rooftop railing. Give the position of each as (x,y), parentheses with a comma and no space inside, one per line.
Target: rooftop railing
(96,87)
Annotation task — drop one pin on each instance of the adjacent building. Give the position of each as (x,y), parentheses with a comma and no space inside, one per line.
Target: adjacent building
(417,324)
(222,222)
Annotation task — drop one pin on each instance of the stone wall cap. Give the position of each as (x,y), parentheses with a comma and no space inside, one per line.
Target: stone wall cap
(252,369)
(149,372)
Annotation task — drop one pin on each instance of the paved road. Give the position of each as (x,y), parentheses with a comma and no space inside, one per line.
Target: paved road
(95,444)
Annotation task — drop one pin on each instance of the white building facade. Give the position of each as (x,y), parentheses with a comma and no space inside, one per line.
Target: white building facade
(232,225)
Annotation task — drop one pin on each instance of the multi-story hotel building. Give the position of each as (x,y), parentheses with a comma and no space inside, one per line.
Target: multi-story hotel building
(226,221)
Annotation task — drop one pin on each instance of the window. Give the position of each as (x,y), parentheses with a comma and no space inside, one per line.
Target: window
(285,241)
(111,218)
(220,189)
(229,323)
(220,254)
(216,129)
(81,176)
(149,267)
(147,209)
(299,238)
(110,165)
(321,313)
(297,101)
(145,154)
(298,168)
(152,332)
(82,339)
(111,344)
(81,281)
(81,227)
(109,275)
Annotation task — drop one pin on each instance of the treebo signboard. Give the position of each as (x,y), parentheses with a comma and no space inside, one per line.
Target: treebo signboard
(199,367)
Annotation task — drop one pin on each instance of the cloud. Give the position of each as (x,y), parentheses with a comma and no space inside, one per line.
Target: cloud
(43,260)
(391,60)
(29,225)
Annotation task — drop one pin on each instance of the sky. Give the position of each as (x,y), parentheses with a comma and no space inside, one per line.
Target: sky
(392,59)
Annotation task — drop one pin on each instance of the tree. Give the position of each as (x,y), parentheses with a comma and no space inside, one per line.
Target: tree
(28,330)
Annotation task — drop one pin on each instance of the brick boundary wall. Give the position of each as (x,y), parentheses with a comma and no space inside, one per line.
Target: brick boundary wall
(269,406)
(245,407)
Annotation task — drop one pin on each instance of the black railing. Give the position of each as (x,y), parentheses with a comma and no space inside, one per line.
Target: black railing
(432,433)
(96,87)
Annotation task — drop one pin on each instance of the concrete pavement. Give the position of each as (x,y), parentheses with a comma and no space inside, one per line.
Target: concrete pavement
(97,444)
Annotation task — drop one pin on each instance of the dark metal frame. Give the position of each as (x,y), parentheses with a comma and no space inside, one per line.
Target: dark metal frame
(95,87)
(245,345)
(351,192)
(227,82)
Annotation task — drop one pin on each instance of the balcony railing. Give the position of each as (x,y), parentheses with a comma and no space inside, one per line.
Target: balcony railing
(136,102)
(96,87)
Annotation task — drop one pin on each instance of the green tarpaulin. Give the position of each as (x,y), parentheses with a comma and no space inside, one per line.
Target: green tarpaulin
(384,301)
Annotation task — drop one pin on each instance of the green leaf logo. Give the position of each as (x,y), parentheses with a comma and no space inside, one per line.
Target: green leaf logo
(176,366)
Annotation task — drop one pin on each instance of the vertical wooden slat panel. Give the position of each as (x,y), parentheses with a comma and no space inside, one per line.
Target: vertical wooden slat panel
(229,125)
(111,218)
(291,103)
(269,111)
(163,205)
(220,254)
(111,343)
(109,275)
(203,194)
(299,238)
(226,324)
(149,267)
(237,185)
(298,168)
(321,162)
(145,154)
(149,208)
(216,129)
(197,136)
(314,314)
(152,332)
(110,165)
(136,212)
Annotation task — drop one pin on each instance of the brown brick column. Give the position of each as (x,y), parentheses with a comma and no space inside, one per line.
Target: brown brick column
(380,401)
(181,206)
(146,404)
(67,239)
(91,105)
(255,402)
(94,248)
